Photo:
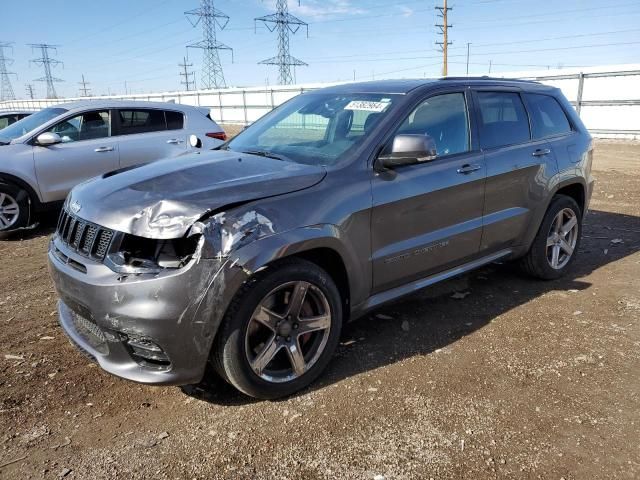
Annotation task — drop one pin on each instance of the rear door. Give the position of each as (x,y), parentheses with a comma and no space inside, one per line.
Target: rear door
(87,150)
(518,168)
(549,122)
(428,217)
(146,135)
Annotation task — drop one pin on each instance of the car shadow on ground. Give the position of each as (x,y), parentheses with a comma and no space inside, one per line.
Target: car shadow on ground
(45,224)
(434,318)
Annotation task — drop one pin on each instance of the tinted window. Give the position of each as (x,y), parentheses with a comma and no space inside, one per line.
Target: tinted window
(547,116)
(503,119)
(141,121)
(175,120)
(86,126)
(443,118)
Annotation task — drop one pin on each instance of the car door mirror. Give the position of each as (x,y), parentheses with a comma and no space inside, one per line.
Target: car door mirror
(194,141)
(48,138)
(409,149)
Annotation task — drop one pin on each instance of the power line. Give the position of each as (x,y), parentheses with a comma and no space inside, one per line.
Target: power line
(29,89)
(444,28)
(84,90)
(47,63)
(6,90)
(285,24)
(211,19)
(189,77)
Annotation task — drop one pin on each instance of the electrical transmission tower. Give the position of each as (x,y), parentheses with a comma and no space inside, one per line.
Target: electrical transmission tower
(211,19)
(47,63)
(6,90)
(29,89)
(284,23)
(189,77)
(444,26)
(84,90)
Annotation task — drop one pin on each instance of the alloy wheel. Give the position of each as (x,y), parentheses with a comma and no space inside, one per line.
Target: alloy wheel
(562,238)
(9,211)
(288,332)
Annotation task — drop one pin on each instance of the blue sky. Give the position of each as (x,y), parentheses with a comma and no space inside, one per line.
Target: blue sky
(142,41)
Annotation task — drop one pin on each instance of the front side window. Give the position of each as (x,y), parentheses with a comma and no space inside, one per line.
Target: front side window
(141,121)
(444,118)
(547,116)
(315,128)
(503,119)
(27,124)
(86,126)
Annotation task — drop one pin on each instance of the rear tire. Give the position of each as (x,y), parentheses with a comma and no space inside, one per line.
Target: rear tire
(14,208)
(268,346)
(555,247)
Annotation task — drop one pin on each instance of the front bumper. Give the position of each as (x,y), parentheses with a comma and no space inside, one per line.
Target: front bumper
(102,311)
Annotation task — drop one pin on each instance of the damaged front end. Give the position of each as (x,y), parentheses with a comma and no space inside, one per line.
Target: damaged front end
(147,309)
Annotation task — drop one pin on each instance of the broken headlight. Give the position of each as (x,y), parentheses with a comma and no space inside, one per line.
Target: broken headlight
(146,255)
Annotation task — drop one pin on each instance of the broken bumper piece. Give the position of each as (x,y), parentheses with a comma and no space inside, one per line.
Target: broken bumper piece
(152,328)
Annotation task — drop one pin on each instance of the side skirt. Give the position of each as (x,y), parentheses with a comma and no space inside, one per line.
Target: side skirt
(409,288)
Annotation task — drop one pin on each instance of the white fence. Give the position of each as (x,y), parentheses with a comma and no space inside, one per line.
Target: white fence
(607,99)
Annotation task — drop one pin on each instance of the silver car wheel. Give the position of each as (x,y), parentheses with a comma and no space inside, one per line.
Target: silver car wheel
(562,238)
(9,211)
(288,332)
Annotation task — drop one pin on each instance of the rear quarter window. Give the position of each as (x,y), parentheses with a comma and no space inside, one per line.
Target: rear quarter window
(175,120)
(503,119)
(547,116)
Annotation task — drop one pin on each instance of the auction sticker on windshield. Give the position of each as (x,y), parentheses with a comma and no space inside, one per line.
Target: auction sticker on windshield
(367,106)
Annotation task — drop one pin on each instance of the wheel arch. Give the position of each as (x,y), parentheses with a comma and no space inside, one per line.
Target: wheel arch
(574,187)
(9,179)
(320,245)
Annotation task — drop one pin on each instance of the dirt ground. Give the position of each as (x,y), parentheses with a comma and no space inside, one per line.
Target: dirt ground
(518,379)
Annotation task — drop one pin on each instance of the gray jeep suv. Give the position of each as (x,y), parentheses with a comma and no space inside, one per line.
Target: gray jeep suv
(252,257)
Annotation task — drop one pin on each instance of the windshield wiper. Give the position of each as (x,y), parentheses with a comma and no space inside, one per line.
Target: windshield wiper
(263,153)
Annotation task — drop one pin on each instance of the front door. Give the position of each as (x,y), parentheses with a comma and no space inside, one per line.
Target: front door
(428,217)
(87,150)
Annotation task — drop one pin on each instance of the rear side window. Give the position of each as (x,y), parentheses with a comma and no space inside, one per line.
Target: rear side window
(503,119)
(547,116)
(175,120)
(141,121)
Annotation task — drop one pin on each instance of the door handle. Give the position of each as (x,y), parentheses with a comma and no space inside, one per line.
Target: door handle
(541,152)
(468,168)
(174,141)
(104,149)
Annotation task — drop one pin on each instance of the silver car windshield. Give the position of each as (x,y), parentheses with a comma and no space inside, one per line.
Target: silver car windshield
(27,124)
(315,128)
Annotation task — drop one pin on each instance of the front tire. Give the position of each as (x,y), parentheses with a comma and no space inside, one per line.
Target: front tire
(280,330)
(14,208)
(556,244)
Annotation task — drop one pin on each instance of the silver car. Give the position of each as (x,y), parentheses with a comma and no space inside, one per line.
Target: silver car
(47,153)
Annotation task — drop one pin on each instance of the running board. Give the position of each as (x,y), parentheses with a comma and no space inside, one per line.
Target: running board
(397,292)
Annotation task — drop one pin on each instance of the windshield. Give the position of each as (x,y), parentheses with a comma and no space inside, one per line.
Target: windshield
(316,128)
(29,123)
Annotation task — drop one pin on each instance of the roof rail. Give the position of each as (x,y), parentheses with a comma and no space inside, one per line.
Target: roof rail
(486,77)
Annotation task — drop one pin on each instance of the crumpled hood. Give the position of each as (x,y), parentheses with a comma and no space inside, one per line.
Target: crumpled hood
(163,199)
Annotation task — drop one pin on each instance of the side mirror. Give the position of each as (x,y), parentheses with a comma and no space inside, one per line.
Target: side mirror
(48,138)
(194,141)
(409,149)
